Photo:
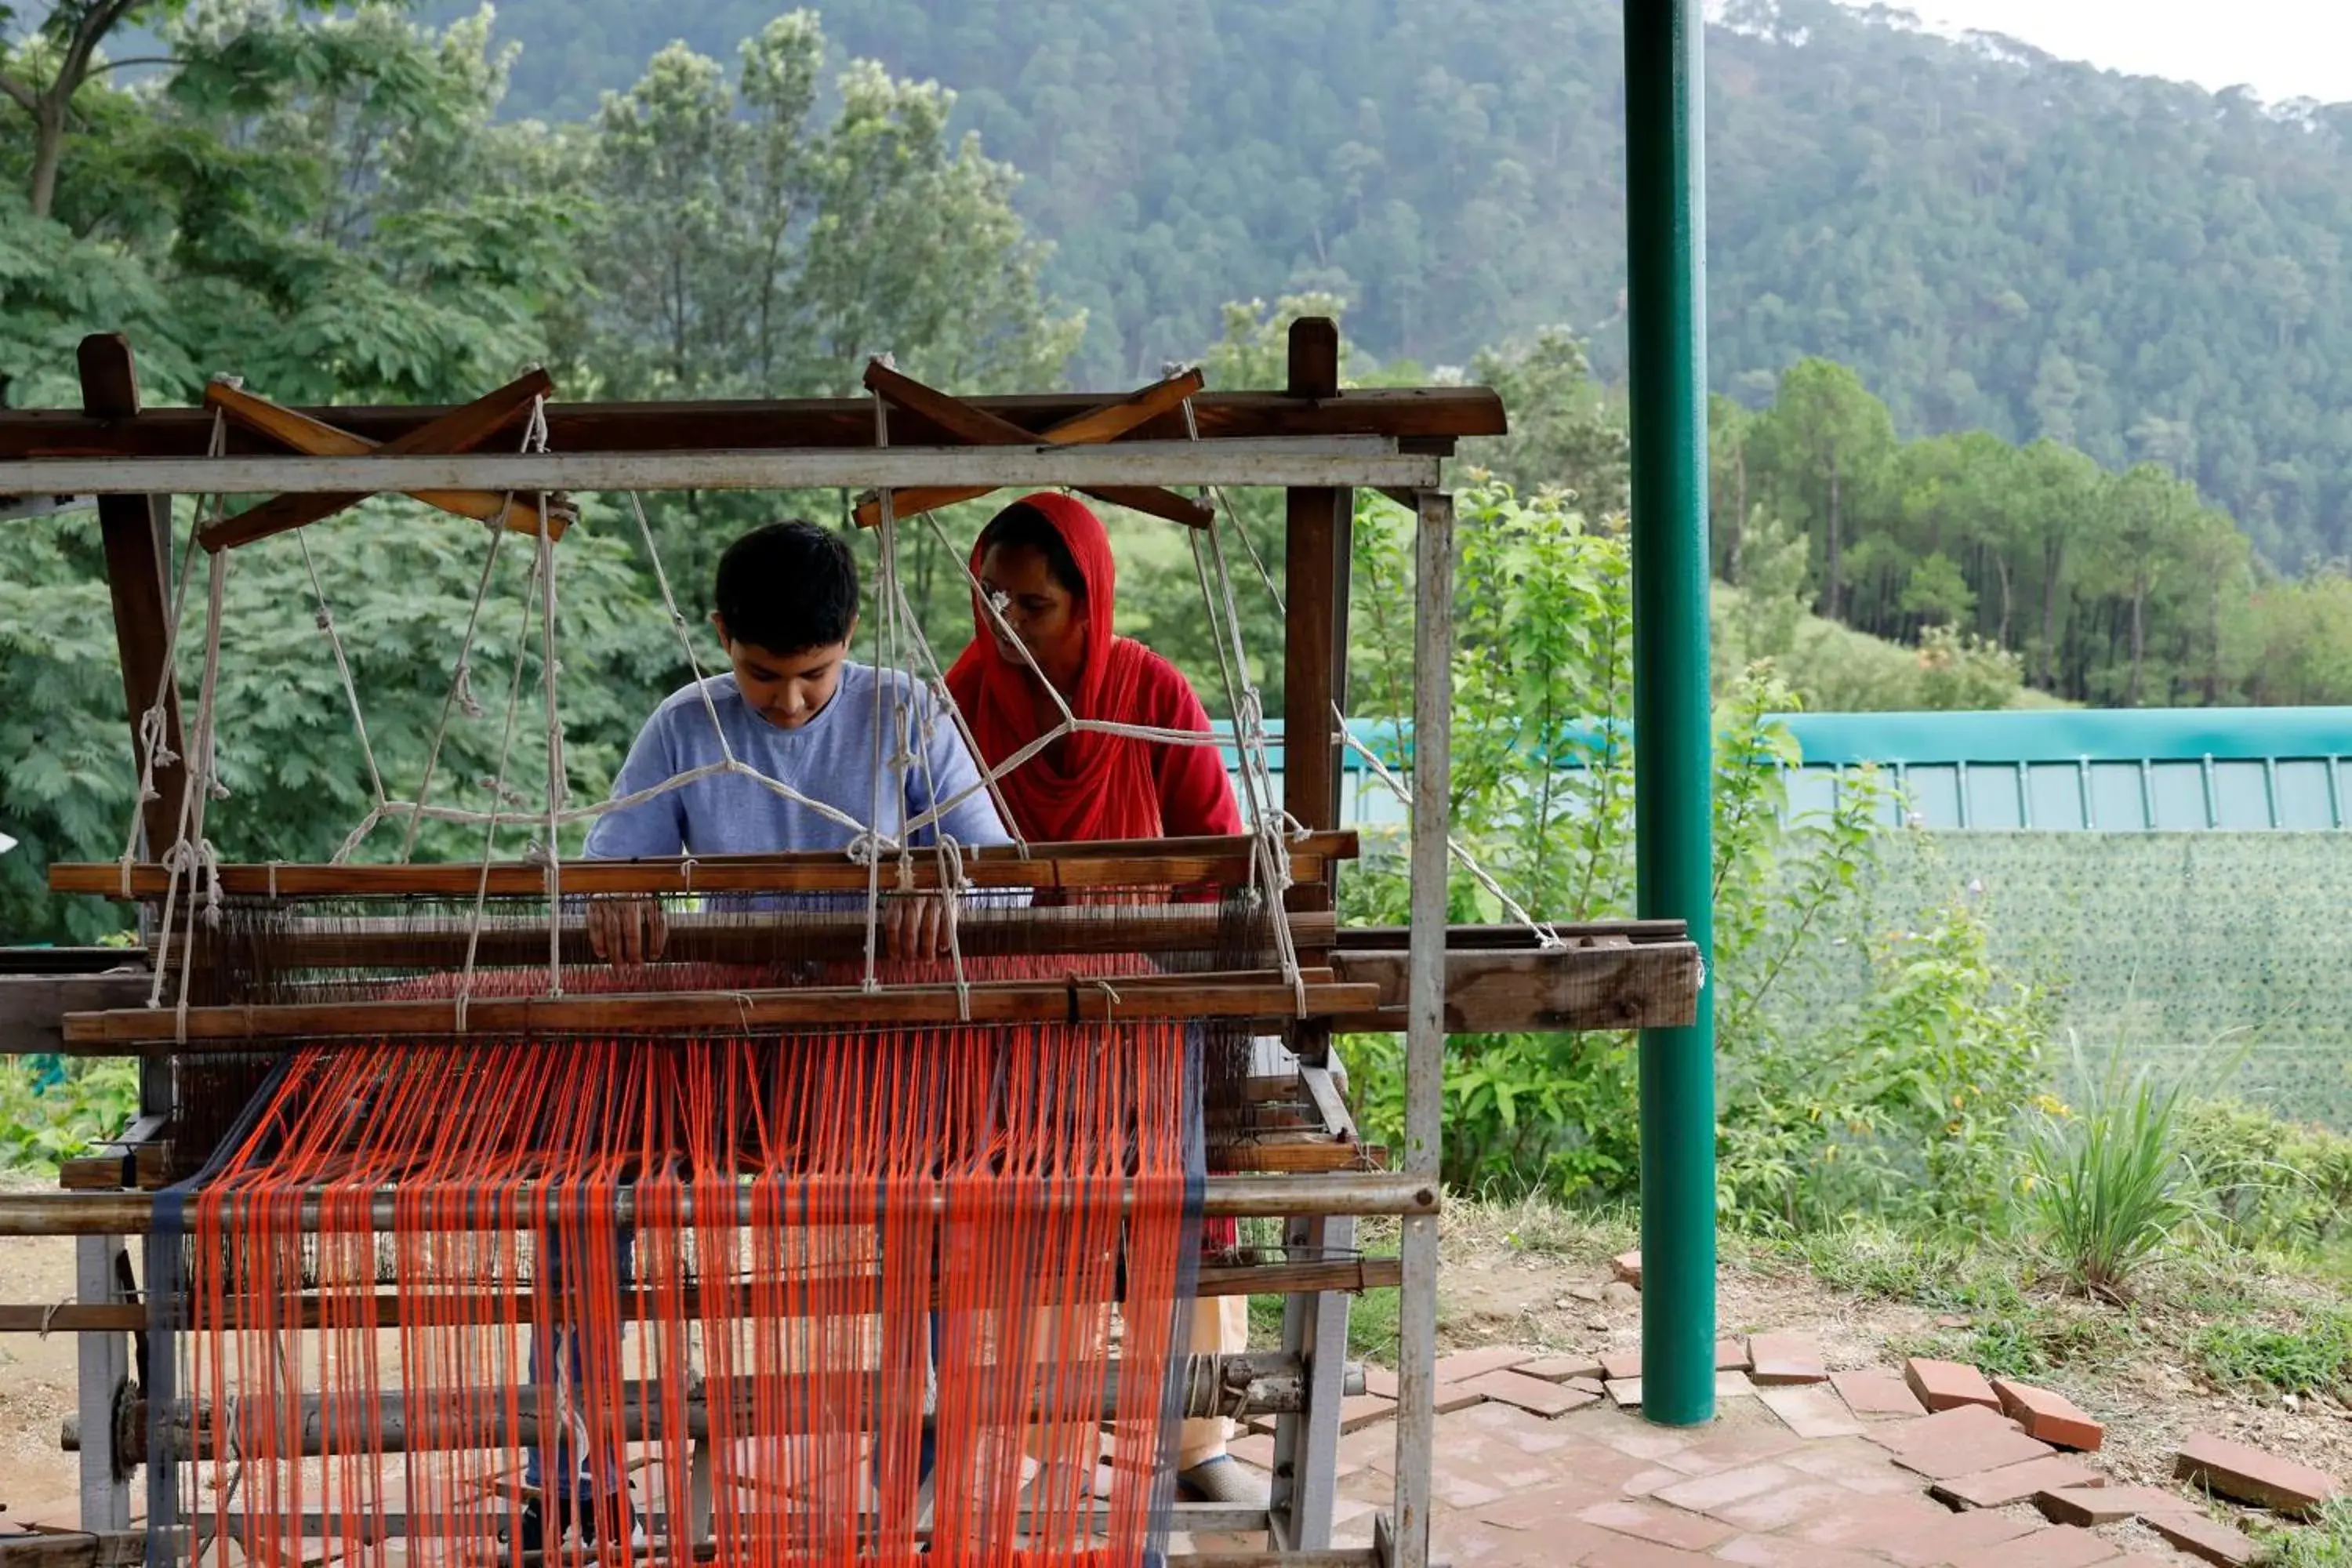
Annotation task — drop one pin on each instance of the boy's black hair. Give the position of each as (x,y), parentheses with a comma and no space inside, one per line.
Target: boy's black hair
(1022,525)
(788,587)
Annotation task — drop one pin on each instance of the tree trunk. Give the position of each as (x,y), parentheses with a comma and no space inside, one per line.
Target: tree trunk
(1829,597)
(2001,565)
(2138,639)
(48,146)
(2213,652)
(2054,558)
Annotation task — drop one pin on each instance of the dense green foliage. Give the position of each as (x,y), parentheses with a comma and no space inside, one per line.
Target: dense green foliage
(1994,239)
(1901,1100)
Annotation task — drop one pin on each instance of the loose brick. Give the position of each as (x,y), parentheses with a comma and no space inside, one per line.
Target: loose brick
(1953,1535)
(2235,1471)
(1731,1355)
(1627,1267)
(1785,1506)
(1704,1494)
(1560,1368)
(1453,1397)
(2055,1546)
(1620,1363)
(2049,1416)
(1464,1366)
(1895,1436)
(1592,1385)
(1731,1384)
(1256,1449)
(1949,1385)
(2214,1541)
(2096,1505)
(1359,1411)
(1626,1392)
(1529,1394)
(1655,1521)
(1379,1381)
(1876,1393)
(2014,1483)
(1623,1553)
(1963,1450)
(1811,1412)
(1776,1360)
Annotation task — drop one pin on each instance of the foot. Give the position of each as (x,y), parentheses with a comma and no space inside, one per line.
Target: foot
(1222,1479)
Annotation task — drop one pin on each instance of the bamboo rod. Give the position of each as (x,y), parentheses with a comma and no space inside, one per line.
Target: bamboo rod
(1143,862)
(1328,461)
(1090,999)
(417,1421)
(132,1214)
(1352,1275)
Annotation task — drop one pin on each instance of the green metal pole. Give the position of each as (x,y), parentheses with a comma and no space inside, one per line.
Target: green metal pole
(1665,206)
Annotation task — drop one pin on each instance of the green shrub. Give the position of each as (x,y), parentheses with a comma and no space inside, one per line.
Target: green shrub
(2269,1181)
(2109,1186)
(42,1123)
(1901,1104)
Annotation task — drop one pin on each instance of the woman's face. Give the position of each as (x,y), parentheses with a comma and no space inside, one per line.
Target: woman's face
(1046,616)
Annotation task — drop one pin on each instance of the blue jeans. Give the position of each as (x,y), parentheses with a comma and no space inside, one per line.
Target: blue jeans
(573,1468)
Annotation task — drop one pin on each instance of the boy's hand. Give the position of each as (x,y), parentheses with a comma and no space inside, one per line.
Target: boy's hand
(628,931)
(916,927)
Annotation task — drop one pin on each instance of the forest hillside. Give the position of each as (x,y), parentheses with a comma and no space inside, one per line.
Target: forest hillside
(1992,238)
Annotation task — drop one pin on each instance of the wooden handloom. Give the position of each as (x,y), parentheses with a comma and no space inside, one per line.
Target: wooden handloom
(1298,1160)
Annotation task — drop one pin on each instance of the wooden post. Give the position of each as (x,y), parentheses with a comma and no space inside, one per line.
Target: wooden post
(137,535)
(1315,588)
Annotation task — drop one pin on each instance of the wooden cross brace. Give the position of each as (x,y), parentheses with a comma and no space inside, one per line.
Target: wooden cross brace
(981,428)
(460,431)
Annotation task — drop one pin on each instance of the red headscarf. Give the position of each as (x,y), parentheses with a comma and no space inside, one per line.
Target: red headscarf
(1102,786)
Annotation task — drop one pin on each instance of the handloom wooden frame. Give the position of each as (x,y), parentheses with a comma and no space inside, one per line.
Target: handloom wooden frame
(1311,437)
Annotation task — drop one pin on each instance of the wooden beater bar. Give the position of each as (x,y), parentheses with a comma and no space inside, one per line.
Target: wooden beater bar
(1166,862)
(1266,995)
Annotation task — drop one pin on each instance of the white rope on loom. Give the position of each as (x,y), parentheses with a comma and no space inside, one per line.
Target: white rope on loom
(459,698)
(499,795)
(153,750)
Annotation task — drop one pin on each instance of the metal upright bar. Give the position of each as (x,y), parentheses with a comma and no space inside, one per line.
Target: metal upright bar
(1672,776)
(103,1363)
(1425,1038)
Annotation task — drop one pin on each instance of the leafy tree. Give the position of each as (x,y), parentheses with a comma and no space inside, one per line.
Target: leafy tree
(748,249)
(1824,440)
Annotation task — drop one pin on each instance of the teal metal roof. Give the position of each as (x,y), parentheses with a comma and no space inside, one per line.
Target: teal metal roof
(2106,770)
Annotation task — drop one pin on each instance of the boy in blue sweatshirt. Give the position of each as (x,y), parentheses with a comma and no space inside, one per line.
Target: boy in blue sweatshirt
(794,706)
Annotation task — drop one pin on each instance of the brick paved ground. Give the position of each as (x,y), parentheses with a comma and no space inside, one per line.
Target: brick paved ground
(1775,1482)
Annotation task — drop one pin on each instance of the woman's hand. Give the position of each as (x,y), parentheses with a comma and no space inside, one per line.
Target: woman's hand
(628,931)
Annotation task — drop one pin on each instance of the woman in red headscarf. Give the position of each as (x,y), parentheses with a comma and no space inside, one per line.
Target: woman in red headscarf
(1046,562)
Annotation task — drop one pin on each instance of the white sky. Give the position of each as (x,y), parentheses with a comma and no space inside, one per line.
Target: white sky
(2281,49)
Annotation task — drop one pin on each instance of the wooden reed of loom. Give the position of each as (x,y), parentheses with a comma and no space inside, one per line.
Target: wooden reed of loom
(1305,1165)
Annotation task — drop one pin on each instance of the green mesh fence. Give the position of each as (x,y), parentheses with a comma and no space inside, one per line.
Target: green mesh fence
(2185,949)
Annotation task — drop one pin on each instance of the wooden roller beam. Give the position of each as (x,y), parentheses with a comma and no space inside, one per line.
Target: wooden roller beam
(1239,1197)
(1431,415)
(1631,985)
(1353,1274)
(1086,1000)
(1147,862)
(391,943)
(415,1421)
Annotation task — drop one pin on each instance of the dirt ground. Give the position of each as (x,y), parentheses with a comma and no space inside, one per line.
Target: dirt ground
(1495,1289)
